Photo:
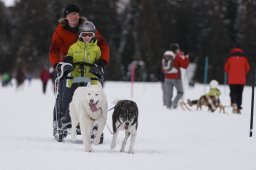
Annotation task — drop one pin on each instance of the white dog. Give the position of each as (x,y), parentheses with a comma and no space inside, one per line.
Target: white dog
(88,107)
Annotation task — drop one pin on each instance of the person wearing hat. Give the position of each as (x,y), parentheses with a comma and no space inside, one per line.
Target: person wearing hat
(172,62)
(65,34)
(237,67)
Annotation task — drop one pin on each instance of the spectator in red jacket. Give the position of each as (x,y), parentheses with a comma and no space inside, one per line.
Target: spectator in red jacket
(236,67)
(44,76)
(171,63)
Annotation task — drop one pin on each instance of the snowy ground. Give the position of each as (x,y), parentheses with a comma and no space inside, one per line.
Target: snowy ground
(167,139)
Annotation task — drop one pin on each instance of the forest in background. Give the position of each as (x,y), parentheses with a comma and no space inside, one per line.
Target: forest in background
(136,31)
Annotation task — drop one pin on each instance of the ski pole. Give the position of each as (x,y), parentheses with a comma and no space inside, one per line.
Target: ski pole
(205,73)
(132,78)
(252,101)
(225,82)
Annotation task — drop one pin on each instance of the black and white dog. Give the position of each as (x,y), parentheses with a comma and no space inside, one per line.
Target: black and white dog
(125,117)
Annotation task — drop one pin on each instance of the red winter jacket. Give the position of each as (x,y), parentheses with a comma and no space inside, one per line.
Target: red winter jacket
(179,61)
(44,75)
(237,67)
(63,38)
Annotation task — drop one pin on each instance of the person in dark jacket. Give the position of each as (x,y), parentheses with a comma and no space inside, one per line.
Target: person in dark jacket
(236,67)
(20,76)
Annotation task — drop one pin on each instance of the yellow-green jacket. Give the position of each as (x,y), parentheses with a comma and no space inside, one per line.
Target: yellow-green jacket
(83,52)
(214,92)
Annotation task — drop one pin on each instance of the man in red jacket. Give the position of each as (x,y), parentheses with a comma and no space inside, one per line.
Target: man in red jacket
(66,34)
(236,67)
(172,62)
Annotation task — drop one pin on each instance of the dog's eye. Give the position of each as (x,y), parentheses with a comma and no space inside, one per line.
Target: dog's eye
(96,94)
(89,94)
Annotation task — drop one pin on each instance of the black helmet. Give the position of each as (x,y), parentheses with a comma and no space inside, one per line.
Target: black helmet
(175,46)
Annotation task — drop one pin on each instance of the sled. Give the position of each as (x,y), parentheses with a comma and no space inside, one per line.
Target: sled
(185,106)
(61,130)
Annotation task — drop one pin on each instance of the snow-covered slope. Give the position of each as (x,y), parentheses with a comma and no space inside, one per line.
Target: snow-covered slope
(167,139)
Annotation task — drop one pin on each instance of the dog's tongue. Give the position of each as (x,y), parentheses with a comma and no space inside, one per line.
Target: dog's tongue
(93,107)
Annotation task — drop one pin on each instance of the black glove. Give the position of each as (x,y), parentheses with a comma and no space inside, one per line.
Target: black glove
(100,63)
(67,68)
(63,70)
(97,71)
(97,68)
(68,59)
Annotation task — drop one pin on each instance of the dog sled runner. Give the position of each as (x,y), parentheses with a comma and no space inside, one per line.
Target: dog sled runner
(184,106)
(187,107)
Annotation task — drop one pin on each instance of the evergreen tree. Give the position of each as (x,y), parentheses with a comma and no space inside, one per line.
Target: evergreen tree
(31,33)
(6,59)
(213,41)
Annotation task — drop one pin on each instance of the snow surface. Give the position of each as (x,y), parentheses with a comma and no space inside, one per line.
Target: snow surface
(8,3)
(166,139)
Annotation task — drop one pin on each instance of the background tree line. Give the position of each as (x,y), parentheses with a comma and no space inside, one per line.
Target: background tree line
(135,30)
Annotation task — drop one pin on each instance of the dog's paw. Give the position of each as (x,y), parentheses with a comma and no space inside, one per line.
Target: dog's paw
(122,150)
(113,145)
(96,141)
(130,152)
(73,137)
(88,149)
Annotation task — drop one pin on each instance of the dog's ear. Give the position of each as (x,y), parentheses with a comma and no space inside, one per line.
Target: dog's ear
(89,84)
(99,85)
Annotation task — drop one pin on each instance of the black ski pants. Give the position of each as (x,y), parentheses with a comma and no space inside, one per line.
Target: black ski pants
(44,86)
(236,94)
(63,99)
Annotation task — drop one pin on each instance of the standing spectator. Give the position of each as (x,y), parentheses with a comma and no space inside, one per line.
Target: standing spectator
(44,76)
(6,79)
(172,62)
(236,67)
(20,76)
(160,77)
(29,78)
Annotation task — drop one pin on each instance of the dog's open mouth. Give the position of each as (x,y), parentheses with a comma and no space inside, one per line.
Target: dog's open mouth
(93,106)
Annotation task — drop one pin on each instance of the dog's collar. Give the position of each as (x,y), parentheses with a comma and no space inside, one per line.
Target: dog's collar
(99,109)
